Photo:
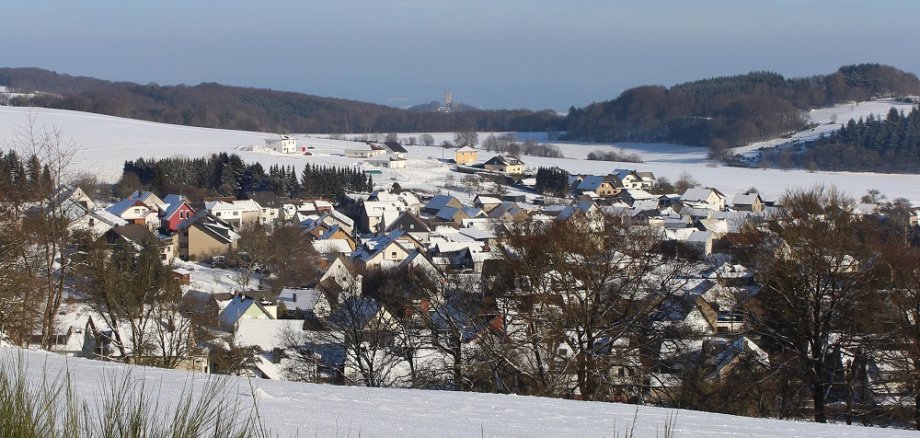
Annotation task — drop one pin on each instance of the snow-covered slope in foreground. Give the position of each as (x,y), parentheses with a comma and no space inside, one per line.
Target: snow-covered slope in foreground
(325,410)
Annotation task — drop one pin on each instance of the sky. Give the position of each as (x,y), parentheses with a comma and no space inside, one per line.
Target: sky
(536,54)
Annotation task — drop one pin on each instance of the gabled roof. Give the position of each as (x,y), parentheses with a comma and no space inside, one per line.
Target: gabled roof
(467,149)
(124,205)
(237,307)
(132,232)
(504,160)
(440,201)
(268,199)
(394,146)
(746,199)
(590,183)
(215,227)
(149,198)
(174,204)
(699,195)
(370,248)
(406,222)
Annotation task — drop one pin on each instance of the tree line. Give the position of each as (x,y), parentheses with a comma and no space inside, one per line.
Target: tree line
(213,105)
(735,109)
(227,175)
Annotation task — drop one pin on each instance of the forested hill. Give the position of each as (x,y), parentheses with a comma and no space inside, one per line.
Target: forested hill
(733,110)
(219,106)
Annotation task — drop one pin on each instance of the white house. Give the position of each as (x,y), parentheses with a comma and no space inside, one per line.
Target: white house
(364,150)
(284,144)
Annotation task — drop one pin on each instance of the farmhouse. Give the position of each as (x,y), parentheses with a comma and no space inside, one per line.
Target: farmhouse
(465,156)
(364,150)
(505,164)
(283,143)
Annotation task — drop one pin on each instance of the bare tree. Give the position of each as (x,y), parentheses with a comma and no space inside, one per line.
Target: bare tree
(684,182)
(466,137)
(586,287)
(816,267)
(426,140)
(47,233)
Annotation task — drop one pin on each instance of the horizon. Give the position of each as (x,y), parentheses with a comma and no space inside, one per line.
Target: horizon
(534,55)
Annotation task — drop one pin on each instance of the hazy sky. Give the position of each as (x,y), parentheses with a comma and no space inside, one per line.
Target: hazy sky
(490,53)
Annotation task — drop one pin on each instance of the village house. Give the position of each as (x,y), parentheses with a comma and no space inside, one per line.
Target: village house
(748,202)
(706,198)
(602,186)
(205,236)
(376,216)
(388,162)
(135,211)
(380,252)
(396,150)
(632,179)
(505,164)
(176,211)
(364,150)
(412,225)
(284,144)
(465,156)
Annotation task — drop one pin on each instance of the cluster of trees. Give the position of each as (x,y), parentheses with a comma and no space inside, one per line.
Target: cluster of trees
(332,182)
(553,181)
(884,144)
(508,144)
(735,109)
(218,106)
(614,156)
(227,175)
(23,179)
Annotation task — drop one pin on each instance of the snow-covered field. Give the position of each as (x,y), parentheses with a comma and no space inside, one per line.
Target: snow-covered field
(325,410)
(107,142)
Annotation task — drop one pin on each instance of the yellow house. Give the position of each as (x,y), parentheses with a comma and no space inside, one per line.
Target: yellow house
(466,156)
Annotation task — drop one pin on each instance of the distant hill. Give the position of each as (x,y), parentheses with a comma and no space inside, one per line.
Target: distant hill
(220,106)
(435,106)
(733,110)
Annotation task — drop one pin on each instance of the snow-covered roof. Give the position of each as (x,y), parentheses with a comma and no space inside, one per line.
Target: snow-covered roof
(267,334)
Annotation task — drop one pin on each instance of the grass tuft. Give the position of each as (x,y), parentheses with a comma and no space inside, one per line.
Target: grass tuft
(125,407)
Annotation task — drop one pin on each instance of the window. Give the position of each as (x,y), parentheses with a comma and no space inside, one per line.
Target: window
(393,254)
(236,213)
(92,222)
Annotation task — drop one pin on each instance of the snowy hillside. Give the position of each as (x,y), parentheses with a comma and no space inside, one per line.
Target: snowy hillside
(106,142)
(830,119)
(326,410)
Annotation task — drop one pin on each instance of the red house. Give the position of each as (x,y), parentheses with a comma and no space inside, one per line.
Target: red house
(178,211)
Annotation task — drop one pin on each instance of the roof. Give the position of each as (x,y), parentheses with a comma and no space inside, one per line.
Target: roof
(236,308)
(267,334)
(119,208)
(590,182)
(395,147)
(700,195)
(174,202)
(440,201)
(746,199)
(132,232)
(504,160)
(467,149)
(297,298)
